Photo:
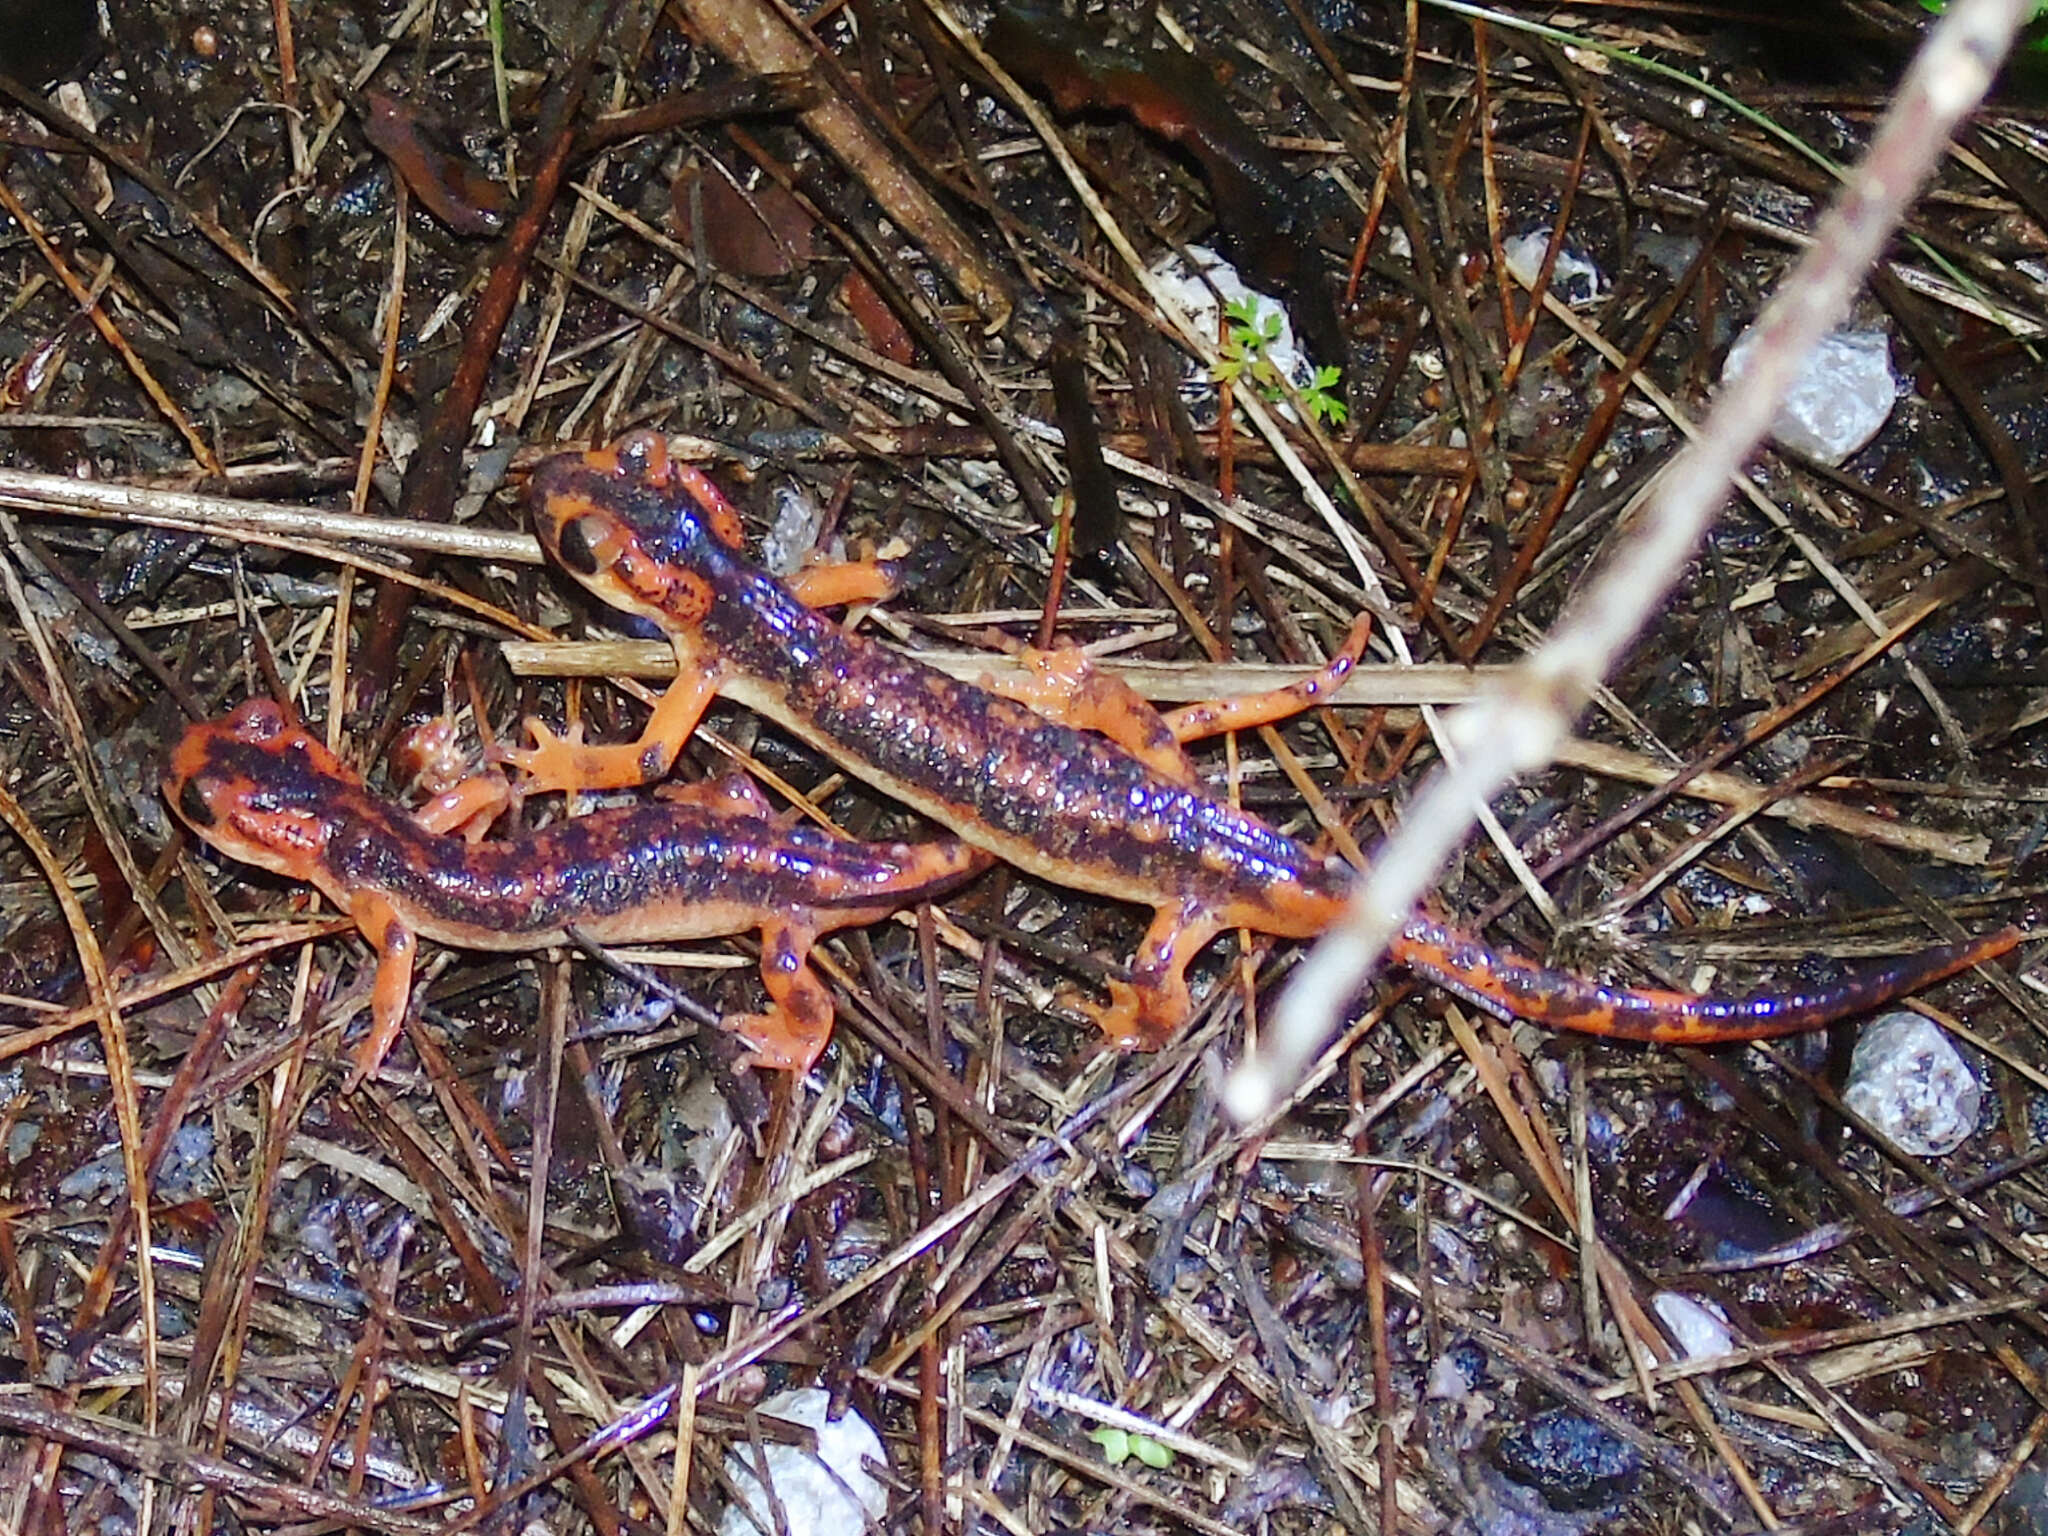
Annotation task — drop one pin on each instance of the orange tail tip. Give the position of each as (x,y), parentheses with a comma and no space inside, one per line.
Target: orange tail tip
(1516,988)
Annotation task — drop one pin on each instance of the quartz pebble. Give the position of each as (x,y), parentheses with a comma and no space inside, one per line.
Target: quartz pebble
(798,517)
(1840,399)
(1913,1085)
(1700,1327)
(1199,301)
(1573,278)
(813,1500)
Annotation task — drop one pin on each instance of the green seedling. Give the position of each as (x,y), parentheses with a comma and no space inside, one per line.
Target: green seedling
(2033,40)
(1250,331)
(1119,1445)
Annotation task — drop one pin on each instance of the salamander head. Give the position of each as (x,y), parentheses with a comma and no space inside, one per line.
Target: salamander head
(260,789)
(646,534)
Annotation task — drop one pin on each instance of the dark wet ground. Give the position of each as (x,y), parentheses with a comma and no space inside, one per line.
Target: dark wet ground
(318,1250)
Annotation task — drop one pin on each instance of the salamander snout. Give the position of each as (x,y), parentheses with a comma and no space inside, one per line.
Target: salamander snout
(259,787)
(642,456)
(593,510)
(258,720)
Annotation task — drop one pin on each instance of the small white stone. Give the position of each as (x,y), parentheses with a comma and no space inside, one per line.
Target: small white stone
(1700,1327)
(1195,298)
(1572,277)
(812,1499)
(1447,1380)
(1841,398)
(1912,1084)
(794,533)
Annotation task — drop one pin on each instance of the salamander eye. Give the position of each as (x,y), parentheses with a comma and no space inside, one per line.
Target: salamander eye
(578,545)
(257,720)
(643,455)
(193,805)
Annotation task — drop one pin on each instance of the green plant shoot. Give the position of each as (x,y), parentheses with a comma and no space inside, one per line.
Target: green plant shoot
(1250,331)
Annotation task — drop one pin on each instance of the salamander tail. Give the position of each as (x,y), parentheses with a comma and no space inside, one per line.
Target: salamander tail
(1513,987)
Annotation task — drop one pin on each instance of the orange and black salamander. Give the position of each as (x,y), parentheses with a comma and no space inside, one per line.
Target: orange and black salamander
(1123,817)
(709,861)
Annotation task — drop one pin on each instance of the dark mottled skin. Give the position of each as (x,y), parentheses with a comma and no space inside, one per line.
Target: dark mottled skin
(262,790)
(1073,796)
(611,862)
(607,864)
(656,538)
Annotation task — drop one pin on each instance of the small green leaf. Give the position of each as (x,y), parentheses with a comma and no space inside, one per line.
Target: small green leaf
(1242,359)
(1115,1443)
(1151,1452)
(1323,399)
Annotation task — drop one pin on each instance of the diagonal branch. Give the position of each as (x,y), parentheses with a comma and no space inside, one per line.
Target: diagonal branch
(1517,728)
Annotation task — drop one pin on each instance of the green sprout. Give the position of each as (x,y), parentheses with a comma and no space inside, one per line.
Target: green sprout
(1251,331)
(1119,1445)
(2032,41)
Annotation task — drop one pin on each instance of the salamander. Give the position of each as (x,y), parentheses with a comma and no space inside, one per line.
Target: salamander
(1112,808)
(706,861)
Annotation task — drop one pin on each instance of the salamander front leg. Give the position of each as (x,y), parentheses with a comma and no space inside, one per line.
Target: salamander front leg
(467,808)
(565,763)
(391,991)
(792,1032)
(841,582)
(1149,1009)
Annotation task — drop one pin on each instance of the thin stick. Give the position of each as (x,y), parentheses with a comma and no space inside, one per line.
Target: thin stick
(394,317)
(120,1086)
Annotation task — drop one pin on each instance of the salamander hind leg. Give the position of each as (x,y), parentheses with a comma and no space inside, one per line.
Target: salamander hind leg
(1147,1011)
(1067,686)
(391,992)
(791,1033)
(467,809)
(1193,722)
